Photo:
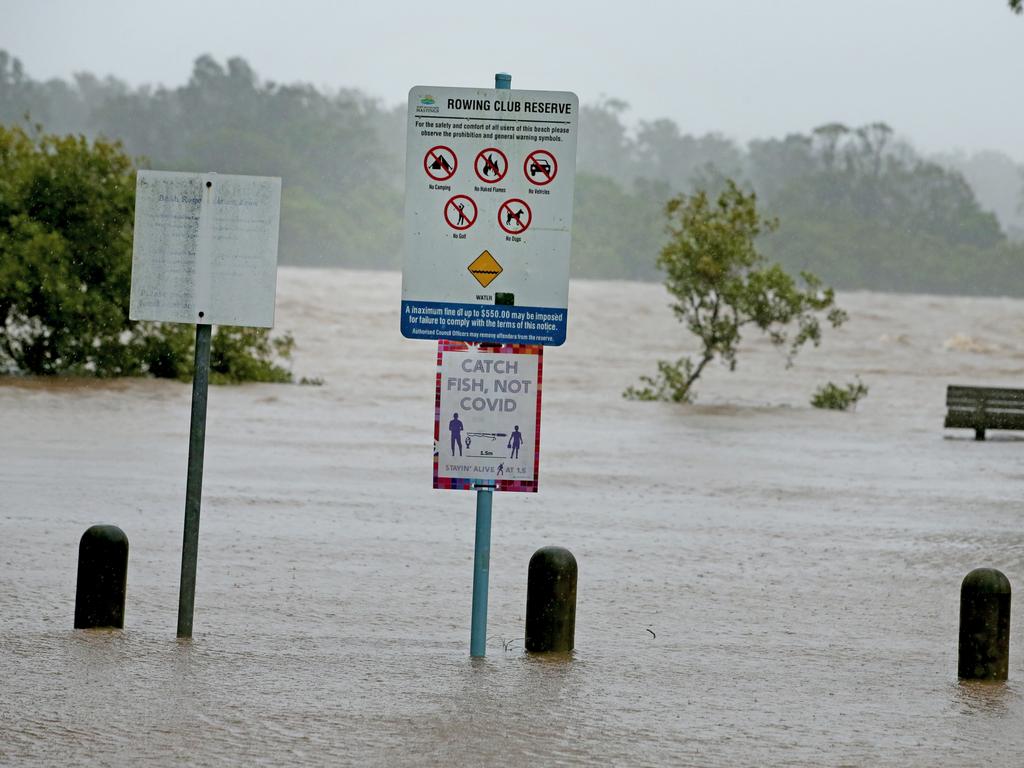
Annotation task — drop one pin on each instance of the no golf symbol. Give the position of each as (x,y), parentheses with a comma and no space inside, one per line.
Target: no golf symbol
(460,212)
(514,216)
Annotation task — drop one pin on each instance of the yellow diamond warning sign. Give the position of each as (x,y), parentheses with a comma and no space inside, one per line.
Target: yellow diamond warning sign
(485,268)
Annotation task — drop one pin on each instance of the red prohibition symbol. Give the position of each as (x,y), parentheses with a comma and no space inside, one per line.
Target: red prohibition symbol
(490,165)
(460,212)
(540,167)
(514,216)
(440,163)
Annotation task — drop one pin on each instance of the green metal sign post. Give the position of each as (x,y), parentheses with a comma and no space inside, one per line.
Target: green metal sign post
(194,482)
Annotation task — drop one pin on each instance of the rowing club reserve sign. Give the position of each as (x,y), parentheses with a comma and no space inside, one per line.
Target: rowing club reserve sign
(488,214)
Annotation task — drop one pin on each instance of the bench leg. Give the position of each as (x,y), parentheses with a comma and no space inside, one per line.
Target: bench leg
(979,434)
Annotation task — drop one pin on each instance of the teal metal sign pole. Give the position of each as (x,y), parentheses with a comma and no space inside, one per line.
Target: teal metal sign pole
(481,572)
(482,548)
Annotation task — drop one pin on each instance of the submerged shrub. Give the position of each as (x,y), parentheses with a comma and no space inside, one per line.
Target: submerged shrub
(66,212)
(838,398)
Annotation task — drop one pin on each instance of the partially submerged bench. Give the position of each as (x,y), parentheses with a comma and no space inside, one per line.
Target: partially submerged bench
(981,408)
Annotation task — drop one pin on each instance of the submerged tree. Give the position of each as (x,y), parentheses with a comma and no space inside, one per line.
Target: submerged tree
(720,284)
(66,211)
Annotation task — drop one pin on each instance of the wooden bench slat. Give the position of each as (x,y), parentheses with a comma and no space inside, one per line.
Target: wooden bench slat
(1013,401)
(987,421)
(985,407)
(998,393)
(974,408)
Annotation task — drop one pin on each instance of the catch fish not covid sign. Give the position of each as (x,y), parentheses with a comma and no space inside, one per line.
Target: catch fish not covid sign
(487,416)
(490,177)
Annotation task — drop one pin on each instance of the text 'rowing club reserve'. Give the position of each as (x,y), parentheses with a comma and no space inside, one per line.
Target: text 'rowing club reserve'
(498,105)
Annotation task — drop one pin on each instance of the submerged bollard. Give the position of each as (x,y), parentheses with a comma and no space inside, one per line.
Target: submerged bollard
(984,626)
(102,578)
(551,601)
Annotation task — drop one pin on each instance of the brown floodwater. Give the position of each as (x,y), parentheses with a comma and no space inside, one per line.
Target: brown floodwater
(761,582)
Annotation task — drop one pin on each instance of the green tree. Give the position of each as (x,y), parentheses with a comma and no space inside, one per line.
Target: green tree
(1017,6)
(16,90)
(66,211)
(721,284)
(860,207)
(865,212)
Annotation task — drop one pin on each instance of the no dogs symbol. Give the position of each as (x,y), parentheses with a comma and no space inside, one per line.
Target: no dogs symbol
(514,216)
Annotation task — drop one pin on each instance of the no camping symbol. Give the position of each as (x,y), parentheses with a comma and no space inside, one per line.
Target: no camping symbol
(540,167)
(440,163)
(460,212)
(514,216)
(491,165)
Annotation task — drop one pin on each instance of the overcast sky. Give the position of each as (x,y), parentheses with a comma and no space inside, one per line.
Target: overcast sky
(948,74)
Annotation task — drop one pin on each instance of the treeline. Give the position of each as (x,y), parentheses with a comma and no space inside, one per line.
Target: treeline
(339,154)
(857,207)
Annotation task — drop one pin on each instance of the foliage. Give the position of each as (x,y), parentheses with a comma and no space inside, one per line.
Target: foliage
(249,354)
(720,284)
(616,233)
(861,208)
(1017,6)
(65,232)
(670,385)
(66,210)
(838,398)
(998,184)
(342,199)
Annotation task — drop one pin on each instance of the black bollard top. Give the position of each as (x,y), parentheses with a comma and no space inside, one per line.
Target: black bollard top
(987,581)
(557,557)
(108,533)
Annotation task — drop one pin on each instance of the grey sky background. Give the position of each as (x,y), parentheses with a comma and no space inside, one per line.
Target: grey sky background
(947,74)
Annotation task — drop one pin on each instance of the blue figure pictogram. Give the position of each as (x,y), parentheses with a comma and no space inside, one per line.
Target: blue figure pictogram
(455,427)
(514,441)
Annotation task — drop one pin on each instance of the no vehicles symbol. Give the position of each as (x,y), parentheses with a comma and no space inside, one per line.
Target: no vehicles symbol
(540,167)
(440,163)
(491,165)
(514,216)
(460,212)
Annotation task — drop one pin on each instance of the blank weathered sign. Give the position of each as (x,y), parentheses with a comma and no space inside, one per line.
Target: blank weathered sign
(205,248)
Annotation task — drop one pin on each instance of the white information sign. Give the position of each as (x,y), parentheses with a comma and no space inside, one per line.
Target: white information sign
(487,416)
(205,248)
(488,214)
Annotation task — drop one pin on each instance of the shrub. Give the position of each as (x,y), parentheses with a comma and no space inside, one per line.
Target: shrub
(66,213)
(838,398)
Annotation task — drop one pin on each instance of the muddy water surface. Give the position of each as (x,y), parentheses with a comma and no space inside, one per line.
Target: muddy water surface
(761,583)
